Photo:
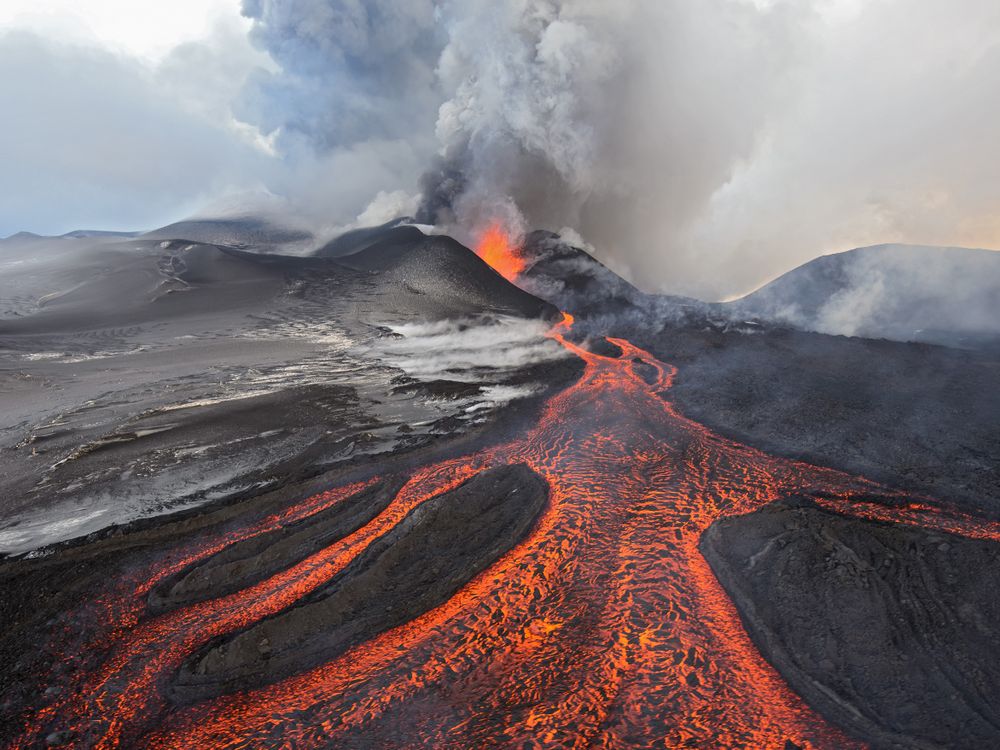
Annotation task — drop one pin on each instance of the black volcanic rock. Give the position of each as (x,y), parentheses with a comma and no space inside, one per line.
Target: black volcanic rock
(942,295)
(415,566)
(918,417)
(888,630)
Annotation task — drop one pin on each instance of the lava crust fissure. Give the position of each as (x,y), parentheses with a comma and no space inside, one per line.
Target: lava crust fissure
(258,557)
(419,564)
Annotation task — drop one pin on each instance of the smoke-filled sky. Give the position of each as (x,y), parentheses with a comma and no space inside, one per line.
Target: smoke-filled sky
(700,146)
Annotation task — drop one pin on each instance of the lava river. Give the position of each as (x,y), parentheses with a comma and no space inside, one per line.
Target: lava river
(605,627)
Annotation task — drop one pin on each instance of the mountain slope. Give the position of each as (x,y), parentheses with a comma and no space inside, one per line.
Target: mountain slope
(942,295)
(250,231)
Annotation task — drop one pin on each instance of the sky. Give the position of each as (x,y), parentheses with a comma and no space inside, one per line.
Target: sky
(697,147)
(144,29)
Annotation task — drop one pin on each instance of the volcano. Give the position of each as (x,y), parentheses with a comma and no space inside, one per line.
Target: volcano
(391,491)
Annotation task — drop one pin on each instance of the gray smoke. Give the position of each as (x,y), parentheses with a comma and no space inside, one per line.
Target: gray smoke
(702,147)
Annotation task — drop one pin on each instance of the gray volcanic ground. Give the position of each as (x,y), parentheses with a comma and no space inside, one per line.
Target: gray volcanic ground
(142,376)
(202,379)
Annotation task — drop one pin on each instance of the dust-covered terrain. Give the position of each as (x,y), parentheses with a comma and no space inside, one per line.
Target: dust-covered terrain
(144,376)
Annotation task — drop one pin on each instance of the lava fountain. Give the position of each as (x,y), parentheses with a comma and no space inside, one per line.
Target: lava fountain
(497,249)
(604,627)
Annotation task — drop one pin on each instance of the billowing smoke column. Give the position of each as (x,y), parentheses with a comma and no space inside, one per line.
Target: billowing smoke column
(352,72)
(534,113)
(702,147)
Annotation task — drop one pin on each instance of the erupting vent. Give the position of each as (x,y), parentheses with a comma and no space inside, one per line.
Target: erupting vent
(495,247)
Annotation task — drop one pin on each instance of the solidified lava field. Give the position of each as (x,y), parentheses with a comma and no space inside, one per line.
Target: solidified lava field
(547,589)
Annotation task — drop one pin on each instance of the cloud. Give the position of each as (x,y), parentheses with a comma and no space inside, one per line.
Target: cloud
(620,121)
(89,137)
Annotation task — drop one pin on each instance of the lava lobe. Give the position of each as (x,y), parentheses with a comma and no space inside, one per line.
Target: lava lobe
(419,564)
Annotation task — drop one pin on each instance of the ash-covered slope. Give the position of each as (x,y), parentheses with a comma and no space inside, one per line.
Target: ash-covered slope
(944,295)
(356,240)
(246,232)
(89,286)
(143,376)
(396,272)
(431,274)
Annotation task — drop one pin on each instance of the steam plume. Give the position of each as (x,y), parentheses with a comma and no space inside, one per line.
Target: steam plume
(701,147)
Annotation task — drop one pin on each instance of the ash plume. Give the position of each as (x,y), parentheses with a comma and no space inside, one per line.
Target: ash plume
(704,148)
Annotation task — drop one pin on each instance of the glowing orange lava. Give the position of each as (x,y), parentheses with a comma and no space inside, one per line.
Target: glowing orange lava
(604,628)
(496,248)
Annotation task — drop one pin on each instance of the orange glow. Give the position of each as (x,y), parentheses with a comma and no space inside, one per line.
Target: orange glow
(604,628)
(497,249)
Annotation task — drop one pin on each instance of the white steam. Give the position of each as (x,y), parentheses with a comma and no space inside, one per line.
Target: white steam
(906,293)
(451,350)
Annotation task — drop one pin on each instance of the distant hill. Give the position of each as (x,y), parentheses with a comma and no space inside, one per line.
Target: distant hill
(942,295)
(20,239)
(247,232)
(76,234)
(81,234)
(356,240)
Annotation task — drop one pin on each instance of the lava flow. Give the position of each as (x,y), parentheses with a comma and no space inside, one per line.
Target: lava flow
(604,628)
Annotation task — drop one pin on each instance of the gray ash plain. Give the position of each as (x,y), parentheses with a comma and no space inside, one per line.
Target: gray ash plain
(154,375)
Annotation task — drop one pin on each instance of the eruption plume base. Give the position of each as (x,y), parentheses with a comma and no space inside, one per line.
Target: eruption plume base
(497,249)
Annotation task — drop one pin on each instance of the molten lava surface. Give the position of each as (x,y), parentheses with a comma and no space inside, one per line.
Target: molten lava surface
(495,247)
(604,628)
